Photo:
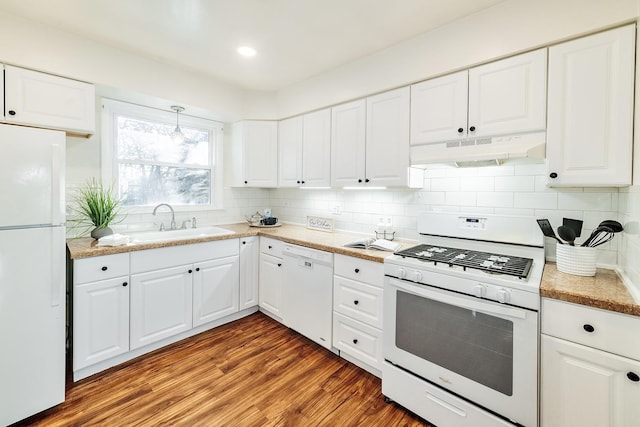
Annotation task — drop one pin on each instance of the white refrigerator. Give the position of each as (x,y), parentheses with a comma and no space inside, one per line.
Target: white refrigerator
(32,271)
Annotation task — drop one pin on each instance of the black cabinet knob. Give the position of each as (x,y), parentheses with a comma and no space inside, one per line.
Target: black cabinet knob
(124,284)
(270,247)
(12,113)
(246,182)
(356,302)
(366,180)
(297,182)
(197,268)
(633,377)
(472,129)
(460,130)
(355,341)
(279,265)
(303,181)
(588,328)
(244,243)
(357,270)
(190,271)
(359,180)
(553,175)
(104,268)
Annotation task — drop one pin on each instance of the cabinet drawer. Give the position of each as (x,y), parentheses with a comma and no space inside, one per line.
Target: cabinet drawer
(100,268)
(358,269)
(358,300)
(358,340)
(610,331)
(271,246)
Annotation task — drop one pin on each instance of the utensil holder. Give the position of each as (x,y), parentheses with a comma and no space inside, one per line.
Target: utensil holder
(576,260)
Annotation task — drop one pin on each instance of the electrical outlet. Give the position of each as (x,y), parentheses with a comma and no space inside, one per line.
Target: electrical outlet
(336,209)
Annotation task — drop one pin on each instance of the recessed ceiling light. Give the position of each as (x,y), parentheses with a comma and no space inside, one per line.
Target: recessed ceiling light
(247,51)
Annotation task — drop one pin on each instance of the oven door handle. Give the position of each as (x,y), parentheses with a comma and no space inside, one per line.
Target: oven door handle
(450,298)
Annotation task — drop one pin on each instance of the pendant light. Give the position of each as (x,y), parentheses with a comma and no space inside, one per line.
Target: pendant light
(177,136)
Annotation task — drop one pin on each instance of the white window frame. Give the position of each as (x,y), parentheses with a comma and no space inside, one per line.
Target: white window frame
(112,108)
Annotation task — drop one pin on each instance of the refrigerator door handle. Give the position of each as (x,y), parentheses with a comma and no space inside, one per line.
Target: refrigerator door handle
(57,176)
(57,264)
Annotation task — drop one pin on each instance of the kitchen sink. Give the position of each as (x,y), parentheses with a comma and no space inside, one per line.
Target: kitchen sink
(180,234)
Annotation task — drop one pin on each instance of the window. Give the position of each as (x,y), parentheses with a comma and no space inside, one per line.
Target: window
(147,167)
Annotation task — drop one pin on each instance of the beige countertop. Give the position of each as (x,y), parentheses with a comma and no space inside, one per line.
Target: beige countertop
(85,247)
(605,290)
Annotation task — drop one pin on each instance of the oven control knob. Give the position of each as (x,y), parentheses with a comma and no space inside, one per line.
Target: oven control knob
(418,276)
(503,296)
(479,291)
(402,273)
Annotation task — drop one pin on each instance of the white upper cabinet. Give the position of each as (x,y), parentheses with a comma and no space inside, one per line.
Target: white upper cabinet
(387,136)
(590,110)
(499,98)
(305,150)
(254,154)
(348,144)
(44,100)
(290,152)
(439,109)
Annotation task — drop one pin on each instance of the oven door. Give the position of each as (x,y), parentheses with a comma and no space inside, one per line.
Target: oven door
(483,351)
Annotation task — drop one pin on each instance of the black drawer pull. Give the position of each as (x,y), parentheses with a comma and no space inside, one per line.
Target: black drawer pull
(124,284)
(279,265)
(588,328)
(356,302)
(357,270)
(12,113)
(270,247)
(355,341)
(244,243)
(197,268)
(104,268)
(633,377)
(190,271)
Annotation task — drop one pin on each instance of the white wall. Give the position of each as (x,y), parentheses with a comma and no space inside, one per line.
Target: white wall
(507,28)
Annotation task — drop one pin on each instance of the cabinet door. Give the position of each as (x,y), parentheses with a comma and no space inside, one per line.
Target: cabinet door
(348,143)
(161,304)
(590,109)
(100,321)
(49,101)
(249,268)
(508,96)
(387,157)
(271,284)
(582,387)
(316,149)
(290,152)
(215,289)
(439,109)
(260,153)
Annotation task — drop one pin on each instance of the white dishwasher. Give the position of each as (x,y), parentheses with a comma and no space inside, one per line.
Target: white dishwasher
(307,294)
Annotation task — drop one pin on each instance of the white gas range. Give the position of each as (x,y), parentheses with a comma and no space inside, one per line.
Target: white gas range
(461,321)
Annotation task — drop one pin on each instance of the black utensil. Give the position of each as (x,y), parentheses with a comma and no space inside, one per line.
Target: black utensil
(595,233)
(615,226)
(601,239)
(574,224)
(547,229)
(567,234)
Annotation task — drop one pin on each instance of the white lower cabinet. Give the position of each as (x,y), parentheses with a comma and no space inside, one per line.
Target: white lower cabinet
(271,284)
(215,289)
(590,375)
(127,304)
(357,311)
(101,321)
(249,271)
(161,304)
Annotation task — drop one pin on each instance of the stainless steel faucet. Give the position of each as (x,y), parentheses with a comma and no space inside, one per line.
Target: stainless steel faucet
(173,216)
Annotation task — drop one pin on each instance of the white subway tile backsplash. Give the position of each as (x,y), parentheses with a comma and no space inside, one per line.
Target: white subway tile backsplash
(535,200)
(515,183)
(477,183)
(497,200)
(531,169)
(459,198)
(445,184)
(585,201)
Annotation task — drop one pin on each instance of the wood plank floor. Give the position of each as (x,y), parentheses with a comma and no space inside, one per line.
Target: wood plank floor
(252,372)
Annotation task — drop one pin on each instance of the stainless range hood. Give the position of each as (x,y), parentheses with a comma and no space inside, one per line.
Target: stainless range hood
(479,152)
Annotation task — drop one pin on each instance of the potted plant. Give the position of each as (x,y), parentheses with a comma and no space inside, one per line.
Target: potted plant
(94,208)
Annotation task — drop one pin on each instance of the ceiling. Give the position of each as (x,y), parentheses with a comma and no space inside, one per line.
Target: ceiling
(295,39)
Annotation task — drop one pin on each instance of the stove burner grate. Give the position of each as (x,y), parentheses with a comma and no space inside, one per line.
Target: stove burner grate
(494,263)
